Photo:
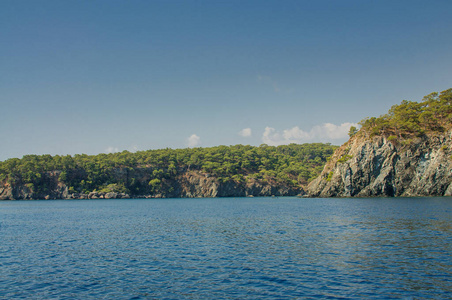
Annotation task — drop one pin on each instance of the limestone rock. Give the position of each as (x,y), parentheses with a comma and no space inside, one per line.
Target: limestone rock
(188,184)
(365,167)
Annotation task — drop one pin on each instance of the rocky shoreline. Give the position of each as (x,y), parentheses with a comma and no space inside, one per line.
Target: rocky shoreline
(362,167)
(190,184)
(379,167)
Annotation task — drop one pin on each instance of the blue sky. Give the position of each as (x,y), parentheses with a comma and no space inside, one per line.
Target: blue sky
(102,76)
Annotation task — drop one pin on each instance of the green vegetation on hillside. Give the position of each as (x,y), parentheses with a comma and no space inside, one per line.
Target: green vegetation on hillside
(146,171)
(411,119)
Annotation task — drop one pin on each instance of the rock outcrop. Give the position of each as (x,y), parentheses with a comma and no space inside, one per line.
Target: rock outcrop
(189,184)
(368,167)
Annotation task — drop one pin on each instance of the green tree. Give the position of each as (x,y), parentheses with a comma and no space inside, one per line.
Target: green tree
(353,130)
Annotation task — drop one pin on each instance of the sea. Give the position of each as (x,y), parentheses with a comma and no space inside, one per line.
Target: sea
(227,248)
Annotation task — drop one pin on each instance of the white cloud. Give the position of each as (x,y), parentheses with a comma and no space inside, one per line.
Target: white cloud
(270,136)
(295,133)
(245,132)
(327,132)
(111,150)
(193,140)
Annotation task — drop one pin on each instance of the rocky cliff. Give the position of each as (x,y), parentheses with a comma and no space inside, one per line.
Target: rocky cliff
(366,167)
(189,184)
(222,171)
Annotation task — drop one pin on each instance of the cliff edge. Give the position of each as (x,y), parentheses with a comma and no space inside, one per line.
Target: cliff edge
(191,184)
(377,166)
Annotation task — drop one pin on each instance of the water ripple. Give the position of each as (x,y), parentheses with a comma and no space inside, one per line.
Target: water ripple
(260,248)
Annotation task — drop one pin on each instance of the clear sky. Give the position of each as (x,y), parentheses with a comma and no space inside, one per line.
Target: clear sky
(103,76)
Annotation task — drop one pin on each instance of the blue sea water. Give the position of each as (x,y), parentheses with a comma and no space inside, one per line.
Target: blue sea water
(227,248)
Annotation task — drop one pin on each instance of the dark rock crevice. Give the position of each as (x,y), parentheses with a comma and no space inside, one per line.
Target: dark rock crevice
(379,167)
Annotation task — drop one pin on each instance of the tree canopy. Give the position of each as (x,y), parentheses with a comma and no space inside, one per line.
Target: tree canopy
(410,119)
(145,171)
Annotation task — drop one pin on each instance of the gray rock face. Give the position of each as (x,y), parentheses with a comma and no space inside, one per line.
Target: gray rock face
(194,184)
(365,167)
(190,184)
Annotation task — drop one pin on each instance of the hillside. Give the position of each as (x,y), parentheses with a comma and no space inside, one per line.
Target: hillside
(200,172)
(406,152)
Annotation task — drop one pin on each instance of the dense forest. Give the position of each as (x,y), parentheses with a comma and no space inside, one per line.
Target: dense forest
(411,119)
(150,172)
